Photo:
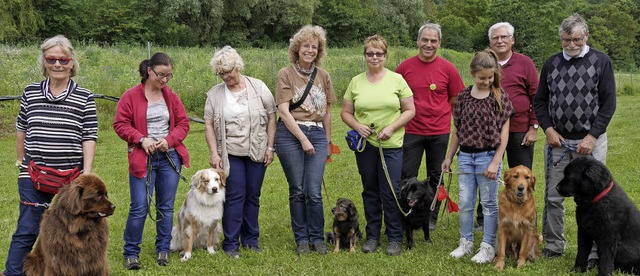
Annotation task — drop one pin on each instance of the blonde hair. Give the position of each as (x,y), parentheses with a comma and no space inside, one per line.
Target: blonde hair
(67,48)
(304,34)
(226,59)
(376,41)
(488,59)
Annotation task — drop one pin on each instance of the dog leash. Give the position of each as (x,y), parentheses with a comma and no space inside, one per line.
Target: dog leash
(34,204)
(568,149)
(386,174)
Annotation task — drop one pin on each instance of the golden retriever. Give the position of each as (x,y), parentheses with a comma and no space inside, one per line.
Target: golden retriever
(517,218)
(73,234)
(199,220)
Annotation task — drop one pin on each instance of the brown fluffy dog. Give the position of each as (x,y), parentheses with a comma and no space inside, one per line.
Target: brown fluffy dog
(346,229)
(73,234)
(517,218)
(199,219)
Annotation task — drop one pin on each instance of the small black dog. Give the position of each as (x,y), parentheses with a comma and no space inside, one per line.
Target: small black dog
(346,229)
(604,214)
(416,197)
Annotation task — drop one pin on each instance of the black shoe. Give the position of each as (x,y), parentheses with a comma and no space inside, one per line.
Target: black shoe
(320,248)
(551,254)
(370,246)
(303,248)
(253,248)
(394,248)
(592,263)
(131,263)
(162,258)
(233,254)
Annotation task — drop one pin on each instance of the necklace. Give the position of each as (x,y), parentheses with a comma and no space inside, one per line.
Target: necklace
(303,71)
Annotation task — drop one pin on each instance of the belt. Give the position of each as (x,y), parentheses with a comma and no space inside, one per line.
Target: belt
(309,123)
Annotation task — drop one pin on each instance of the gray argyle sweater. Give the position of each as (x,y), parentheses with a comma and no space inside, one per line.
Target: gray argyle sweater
(578,96)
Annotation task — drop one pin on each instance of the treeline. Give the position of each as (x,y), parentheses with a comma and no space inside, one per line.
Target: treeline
(614,24)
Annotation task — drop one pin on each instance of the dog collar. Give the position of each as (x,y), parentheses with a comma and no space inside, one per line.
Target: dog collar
(603,193)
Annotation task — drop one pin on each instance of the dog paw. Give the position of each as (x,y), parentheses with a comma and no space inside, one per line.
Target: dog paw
(500,265)
(186,256)
(211,250)
(521,262)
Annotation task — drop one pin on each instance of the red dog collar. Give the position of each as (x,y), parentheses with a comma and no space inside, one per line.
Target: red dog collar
(603,193)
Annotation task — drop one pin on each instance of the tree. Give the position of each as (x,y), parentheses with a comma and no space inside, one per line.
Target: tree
(19,20)
(346,21)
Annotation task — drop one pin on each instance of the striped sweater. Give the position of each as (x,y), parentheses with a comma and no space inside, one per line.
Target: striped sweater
(55,127)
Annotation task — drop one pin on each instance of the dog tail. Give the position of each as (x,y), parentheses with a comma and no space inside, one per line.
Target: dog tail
(34,263)
(329,237)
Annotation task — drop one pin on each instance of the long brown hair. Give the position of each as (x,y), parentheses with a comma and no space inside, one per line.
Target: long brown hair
(488,59)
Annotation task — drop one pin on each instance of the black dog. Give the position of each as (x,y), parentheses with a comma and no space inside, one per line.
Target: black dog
(415,198)
(604,214)
(346,229)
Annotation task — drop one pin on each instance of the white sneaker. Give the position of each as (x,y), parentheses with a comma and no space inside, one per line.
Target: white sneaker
(486,254)
(464,248)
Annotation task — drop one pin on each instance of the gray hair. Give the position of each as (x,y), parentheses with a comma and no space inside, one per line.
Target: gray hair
(430,26)
(572,24)
(226,59)
(499,25)
(67,48)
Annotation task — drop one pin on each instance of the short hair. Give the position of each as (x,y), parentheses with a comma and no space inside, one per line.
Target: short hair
(573,23)
(305,33)
(430,26)
(499,25)
(67,48)
(376,41)
(155,60)
(226,59)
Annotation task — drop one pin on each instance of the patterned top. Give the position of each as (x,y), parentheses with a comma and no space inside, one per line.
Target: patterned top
(578,96)
(290,86)
(56,126)
(478,122)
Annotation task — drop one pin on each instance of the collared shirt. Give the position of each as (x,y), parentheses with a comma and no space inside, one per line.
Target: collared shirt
(584,51)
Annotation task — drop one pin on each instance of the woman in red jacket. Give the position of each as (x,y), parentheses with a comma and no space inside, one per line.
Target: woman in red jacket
(152,120)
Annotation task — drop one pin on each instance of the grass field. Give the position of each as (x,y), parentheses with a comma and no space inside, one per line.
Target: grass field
(342,179)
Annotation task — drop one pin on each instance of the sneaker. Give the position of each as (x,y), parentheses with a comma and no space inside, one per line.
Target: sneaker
(233,254)
(550,254)
(131,263)
(303,248)
(162,258)
(394,248)
(486,253)
(464,248)
(370,246)
(320,248)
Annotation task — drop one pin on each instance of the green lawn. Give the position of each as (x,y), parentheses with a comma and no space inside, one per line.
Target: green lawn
(342,180)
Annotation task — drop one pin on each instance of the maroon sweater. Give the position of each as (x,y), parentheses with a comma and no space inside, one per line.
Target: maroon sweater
(130,124)
(520,81)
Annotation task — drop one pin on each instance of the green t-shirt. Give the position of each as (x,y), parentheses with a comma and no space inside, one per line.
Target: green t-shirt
(379,104)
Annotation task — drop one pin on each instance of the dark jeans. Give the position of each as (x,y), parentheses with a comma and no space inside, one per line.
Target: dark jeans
(376,194)
(28,226)
(435,149)
(242,203)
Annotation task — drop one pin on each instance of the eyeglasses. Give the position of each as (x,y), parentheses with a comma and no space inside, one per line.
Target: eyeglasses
(501,37)
(573,39)
(374,54)
(162,75)
(52,60)
(225,73)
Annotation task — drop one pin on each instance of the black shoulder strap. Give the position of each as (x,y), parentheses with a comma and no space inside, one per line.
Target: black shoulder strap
(306,90)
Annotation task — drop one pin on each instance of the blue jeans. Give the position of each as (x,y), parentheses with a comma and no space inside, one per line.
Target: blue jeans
(304,174)
(471,181)
(376,194)
(28,226)
(164,181)
(242,203)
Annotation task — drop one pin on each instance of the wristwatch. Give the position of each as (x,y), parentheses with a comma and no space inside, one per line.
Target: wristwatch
(535,126)
(140,142)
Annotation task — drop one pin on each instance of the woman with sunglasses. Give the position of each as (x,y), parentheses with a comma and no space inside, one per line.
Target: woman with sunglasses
(378,104)
(66,143)
(152,120)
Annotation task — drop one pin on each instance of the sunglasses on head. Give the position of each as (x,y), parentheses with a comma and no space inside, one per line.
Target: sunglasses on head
(52,60)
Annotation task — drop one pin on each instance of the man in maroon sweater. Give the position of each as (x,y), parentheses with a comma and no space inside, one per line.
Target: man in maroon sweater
(520,81)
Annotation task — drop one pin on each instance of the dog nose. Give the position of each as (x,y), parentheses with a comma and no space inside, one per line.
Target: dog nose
(520,188)
(214,189)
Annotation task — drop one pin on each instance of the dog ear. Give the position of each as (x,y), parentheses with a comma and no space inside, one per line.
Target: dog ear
(70,198)
(532,181)
(597,174)
(507,178)
(195,179)
(223,176)
(351,209)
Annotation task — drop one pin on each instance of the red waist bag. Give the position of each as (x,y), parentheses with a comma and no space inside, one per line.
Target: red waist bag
(50,180)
